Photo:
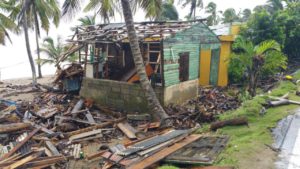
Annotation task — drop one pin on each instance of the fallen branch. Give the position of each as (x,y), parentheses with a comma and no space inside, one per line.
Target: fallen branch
(232,122)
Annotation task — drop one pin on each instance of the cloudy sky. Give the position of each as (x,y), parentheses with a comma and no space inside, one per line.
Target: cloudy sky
(14,60)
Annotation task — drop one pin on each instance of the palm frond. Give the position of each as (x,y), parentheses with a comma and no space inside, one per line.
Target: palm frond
(70,7)
(265,46)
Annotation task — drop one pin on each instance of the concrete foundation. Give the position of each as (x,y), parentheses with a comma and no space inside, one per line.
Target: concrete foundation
(130,97)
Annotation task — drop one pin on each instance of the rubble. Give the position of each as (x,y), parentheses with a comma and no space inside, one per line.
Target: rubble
(204,108)
(55,129)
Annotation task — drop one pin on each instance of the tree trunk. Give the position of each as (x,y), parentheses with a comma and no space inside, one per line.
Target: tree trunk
(38,54)
(252,84)
(157,110)
(28,49)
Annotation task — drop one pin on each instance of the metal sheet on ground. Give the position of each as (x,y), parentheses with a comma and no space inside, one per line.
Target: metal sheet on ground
(203,151)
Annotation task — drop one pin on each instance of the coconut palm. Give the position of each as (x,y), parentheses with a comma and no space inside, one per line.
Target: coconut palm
(87,20)
(168,12)
(230,16)
(194,4)
(266,56)
(211,9)
(53,51)
(6,24)
(35,14)
(152,8)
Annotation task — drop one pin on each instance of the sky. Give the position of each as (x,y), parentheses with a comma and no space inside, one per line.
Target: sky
(14,60)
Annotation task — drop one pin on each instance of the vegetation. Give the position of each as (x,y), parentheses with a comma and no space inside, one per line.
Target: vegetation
(168,12)
(30,14)
(211,9)
(54,51)
(247,142)
(254,60)
(6,23)
(194,5)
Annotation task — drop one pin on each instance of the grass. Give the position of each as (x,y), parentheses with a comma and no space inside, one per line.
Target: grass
(248,141)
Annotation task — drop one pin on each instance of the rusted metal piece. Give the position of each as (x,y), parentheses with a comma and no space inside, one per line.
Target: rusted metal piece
(147,162)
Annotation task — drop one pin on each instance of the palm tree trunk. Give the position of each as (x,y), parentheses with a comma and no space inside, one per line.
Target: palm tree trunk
(25,27)
(158,111)
(38,54)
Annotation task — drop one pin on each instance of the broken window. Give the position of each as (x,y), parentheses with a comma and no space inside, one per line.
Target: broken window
(184,66)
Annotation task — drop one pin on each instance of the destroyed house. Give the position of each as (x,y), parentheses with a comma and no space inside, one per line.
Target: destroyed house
(171,53)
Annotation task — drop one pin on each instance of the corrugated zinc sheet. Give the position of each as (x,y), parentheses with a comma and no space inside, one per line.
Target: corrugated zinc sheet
(214,66)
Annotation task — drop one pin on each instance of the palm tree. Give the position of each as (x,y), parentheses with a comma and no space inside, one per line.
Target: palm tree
(211,9)
(266,55)
(194,4)
(230,16)
(32,13)
(54,51)
(87,20)
(5,25)
(168,12)
(70,5)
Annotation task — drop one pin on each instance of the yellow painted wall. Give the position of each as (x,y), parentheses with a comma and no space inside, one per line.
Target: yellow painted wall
(223,65)
(235,29)
(205,58)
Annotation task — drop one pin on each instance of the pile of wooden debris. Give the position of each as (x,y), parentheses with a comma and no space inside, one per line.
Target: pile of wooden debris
(63,131)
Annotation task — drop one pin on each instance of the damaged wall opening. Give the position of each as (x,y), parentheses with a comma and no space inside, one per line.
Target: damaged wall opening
(184,66)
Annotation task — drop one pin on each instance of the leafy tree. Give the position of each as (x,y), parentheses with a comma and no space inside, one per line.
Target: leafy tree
(168,12)
(230,16)
(274,5)
(246,15)
(30,14)
(254,60)
(152,8)
(211,9)
(54,52)
(194,4)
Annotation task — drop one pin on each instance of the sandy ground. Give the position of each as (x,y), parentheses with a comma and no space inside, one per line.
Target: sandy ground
(4,89)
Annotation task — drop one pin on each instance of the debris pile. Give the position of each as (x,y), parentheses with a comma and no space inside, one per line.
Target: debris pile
(204,108)
(69,79)
(55,130)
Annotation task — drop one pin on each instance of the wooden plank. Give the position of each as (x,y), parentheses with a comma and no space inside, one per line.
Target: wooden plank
(52,148)
(98,126)
(45,161)
(7,128)
(19,145)
(86,134)
(96,155)
(128,130)
(147,162)
(23,161)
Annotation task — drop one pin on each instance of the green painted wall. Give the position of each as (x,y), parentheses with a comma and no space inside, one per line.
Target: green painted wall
(188,40)
(214,66)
